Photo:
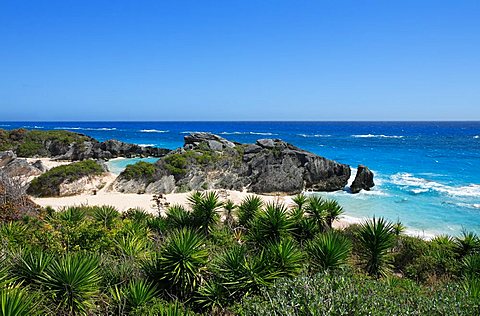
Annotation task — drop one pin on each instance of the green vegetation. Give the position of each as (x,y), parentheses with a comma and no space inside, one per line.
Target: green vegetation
(48,184)
(139,170)
(28,143)
(213,257)
(177,163)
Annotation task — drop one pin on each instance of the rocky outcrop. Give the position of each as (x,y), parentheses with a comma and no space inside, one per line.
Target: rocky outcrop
(65,145)
(269,166)
(363,180)
(19,168)
(109,149)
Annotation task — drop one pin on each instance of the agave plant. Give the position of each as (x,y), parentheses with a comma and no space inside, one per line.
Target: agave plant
(105,214)
(316,211)
(272,224)
(376,239)
(329,251)
(467,244)
(205,209)
(16,301)
(73,280)
(285,258)
(181,262)
(248,210)
(30,264)
(333,210)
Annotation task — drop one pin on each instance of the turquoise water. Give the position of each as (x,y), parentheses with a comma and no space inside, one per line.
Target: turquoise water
(427,173)
(116,166)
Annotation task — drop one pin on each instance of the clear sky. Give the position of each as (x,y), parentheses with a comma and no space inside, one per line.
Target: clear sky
(239,60)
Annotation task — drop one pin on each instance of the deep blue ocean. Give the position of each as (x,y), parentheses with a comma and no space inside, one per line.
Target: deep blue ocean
(427,174)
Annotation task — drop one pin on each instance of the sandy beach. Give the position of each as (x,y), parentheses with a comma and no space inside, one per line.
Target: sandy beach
(124,201)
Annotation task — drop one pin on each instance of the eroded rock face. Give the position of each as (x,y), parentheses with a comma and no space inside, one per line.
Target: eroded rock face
(106,150)
(6,157)
(363,180)
(270,166)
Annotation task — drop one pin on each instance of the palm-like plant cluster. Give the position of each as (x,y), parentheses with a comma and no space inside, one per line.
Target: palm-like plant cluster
(205,257)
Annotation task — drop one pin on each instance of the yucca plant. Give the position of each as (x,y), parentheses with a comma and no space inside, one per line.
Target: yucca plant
(467,244)
(248,209)
(272,224)
(471,265)
(178,217)
(212,296)
(328,251)
(285,258)
(137,215)
(398,228)
(15,301)
(29,264)
(376,239)
(105,214)
(135,294)
(244,274)
(72,215)
(73,280)
(5,277)
(180,264)
(132,246)
(333,210)
(229,206)
(472,287)
(316,211)
(205,210)
(303,227)
(300,201)
(12,233)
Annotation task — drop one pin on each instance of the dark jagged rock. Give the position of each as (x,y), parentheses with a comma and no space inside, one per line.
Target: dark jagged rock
(363,180)
(65,145)
(270,166)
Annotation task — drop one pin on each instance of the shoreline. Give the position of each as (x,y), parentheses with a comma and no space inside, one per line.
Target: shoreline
(125,201)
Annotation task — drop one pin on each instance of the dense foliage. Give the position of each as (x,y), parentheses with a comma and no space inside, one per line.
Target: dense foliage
(213,257)
(31,143)
(139,170)
(48,184)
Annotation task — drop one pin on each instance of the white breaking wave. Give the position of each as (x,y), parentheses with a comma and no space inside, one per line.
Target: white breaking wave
(88,128)
(476,137)
(248,133)
(190,132)
(421,185)
(377,136)
(146,145)
(152,131)
(5,125)
(314,135)
(35,127)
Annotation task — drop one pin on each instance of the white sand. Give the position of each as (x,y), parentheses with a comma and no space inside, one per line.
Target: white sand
(49,163)
(125,201)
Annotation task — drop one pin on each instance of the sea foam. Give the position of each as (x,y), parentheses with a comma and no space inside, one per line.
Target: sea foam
(313,135)
(377,136)
(248,133)
(418,185)
(152,131)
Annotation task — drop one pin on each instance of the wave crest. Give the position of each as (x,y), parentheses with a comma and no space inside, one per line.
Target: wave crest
(377,136)
(418,185)
(313,135)
(152,131)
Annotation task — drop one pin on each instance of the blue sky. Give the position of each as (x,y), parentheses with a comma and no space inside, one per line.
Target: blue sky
(239,60)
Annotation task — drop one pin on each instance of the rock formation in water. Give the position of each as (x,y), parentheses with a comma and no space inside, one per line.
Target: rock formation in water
(363,180)
(208,161)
